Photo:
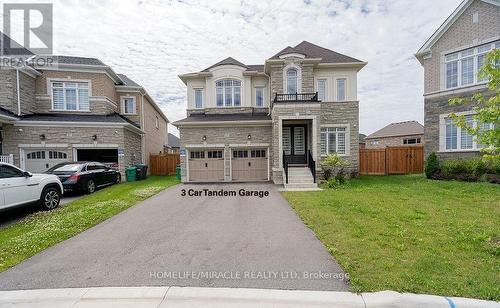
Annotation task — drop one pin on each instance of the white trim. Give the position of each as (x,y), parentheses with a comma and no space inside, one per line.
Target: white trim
(103,99)
(447,24)
(204,146)
(299,77)
(442,134)
(95,145)
(202,97)
(50,92)
(293,105)
(325,79)
(248,145)
(347,138)
(242,92)
(292,54)
(336,94)
(263,87)
(43,145)
(122,103)
(455,91)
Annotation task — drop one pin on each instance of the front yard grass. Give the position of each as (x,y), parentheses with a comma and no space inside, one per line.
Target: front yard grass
(43,229)
(410,234)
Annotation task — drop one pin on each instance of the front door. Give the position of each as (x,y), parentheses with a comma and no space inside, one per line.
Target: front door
(295,144)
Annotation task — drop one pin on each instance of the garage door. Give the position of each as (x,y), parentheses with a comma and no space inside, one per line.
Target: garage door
(249,164)
(41,160)
(108,157)
(206,165)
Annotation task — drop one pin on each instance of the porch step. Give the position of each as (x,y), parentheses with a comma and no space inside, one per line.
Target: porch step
(300,178)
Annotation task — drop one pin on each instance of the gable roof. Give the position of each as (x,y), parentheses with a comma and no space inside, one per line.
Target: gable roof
(128,82)
(173,141)
(398,129)
(226,61)
(310,50)
(447,24)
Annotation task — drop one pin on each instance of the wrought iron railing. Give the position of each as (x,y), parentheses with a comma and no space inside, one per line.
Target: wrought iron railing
(285,167)
(296,97)
(312,165)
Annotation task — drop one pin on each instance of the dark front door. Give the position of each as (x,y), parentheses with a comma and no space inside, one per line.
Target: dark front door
(295,144)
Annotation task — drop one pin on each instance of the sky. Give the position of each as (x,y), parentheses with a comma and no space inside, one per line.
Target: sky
(153,42)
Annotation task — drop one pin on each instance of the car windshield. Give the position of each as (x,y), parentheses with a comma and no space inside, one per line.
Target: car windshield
(66,168)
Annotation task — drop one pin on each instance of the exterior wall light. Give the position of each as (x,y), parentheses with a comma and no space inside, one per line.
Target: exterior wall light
(42,137)
(94,137)
(249,136)
(204,138)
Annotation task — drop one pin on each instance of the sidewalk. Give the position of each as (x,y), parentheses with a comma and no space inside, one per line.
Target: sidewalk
(225,297)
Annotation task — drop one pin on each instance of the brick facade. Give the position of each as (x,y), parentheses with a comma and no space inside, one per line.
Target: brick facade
(394,141)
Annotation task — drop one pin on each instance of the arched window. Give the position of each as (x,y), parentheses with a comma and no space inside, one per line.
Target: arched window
(228,92)
(291,81)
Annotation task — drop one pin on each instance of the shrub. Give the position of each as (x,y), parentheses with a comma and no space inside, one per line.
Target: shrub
(431,166)
(492,164)
(327,174)
(337,181)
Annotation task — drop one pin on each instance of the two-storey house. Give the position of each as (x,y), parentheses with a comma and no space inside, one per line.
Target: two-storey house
(452,58)
(76,109)
(274,121)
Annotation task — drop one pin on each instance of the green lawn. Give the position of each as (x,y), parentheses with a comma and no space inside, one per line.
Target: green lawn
(44,229)
(410,234)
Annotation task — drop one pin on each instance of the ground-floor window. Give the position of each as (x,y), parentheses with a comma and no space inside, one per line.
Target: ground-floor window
(334,140)
(456,138)
(412,141)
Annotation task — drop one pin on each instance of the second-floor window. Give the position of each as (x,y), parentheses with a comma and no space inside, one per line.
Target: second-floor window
(128,105)
(291,81)
(259,97)
(228,93)
(462,68)
(198,98)
(341,89)
(322,89)
(72,96)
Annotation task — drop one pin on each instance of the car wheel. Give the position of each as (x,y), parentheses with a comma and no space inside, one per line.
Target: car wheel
(50,198)
(90,186)
(118,178)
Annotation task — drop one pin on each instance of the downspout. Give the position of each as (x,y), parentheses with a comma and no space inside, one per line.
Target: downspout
(143,141)
(18,93)
(269,87)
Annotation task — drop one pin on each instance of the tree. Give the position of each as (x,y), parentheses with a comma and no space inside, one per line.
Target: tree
(486,109)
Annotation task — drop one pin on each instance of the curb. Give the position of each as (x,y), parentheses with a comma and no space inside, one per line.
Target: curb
(226,297)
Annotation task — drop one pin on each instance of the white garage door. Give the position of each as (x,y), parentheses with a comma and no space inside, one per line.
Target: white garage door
(41,160)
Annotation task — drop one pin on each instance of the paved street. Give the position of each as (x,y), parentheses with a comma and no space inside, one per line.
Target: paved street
(175,240)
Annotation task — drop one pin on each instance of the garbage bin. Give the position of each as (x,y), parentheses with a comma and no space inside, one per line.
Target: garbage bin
(178,172)
(141,171)
(131,174)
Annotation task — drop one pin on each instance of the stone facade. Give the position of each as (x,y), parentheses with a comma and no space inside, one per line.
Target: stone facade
(67,139)
(394,141)
(226,110)
(433,108)
(226,138)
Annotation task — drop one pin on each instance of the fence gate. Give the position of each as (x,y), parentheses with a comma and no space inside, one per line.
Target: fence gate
(163,164)
(391,160)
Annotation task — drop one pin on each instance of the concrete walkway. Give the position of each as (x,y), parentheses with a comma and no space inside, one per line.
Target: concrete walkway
(223,297)
(200,241)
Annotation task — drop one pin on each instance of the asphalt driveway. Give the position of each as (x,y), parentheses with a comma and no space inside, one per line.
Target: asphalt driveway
(175,240)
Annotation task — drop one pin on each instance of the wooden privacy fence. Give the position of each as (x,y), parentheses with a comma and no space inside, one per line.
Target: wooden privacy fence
(391,160)
(163,164)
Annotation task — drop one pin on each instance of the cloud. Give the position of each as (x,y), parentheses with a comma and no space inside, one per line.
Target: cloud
(154,41)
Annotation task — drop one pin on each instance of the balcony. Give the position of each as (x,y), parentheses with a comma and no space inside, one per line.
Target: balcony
(296,98)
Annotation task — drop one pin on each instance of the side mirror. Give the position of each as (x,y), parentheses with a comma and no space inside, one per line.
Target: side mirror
(27,174)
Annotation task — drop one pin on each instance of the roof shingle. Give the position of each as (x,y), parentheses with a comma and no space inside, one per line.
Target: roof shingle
(311,50)
(398,129)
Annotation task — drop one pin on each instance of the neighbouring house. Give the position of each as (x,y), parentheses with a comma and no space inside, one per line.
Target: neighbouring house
(451,58)
(76,109)
(173,144)
(362,142)
(408,133)
(273,121)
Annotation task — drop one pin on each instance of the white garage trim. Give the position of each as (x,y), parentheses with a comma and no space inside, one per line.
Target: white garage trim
(204,146)
(43,145)
(249,145)
(96,145)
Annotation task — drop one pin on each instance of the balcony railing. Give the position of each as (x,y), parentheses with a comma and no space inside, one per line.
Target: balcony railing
(297,97)
(9,158)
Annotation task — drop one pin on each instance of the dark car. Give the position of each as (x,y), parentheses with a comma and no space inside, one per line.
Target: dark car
(85,177)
